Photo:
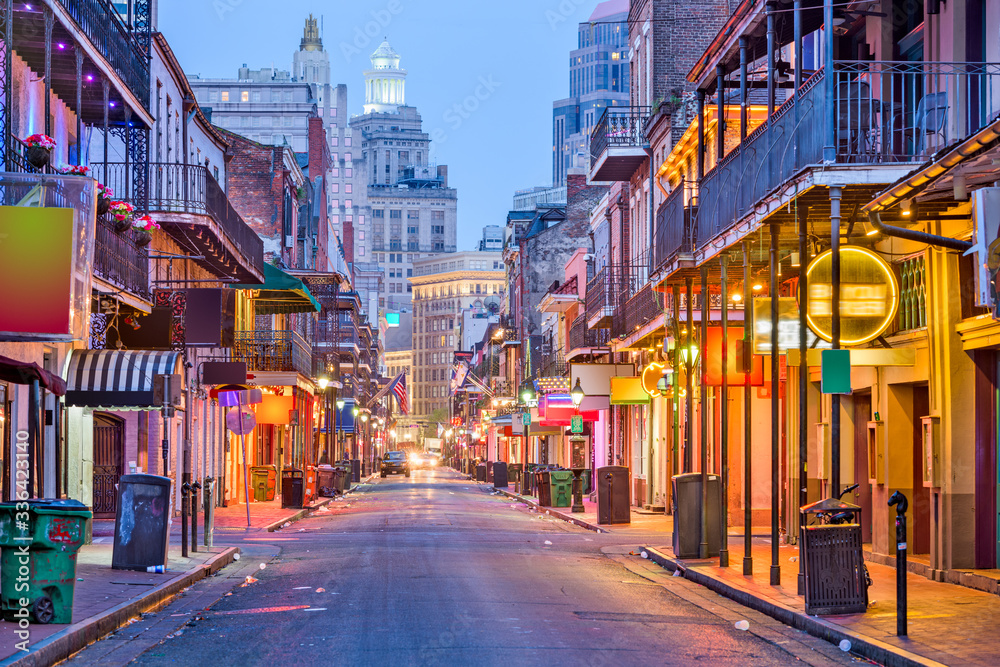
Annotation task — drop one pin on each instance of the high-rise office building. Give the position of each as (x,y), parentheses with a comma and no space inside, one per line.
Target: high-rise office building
(409,210)
(598,78)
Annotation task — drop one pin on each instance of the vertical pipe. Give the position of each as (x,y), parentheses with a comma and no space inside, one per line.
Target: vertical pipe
(775,420)
(829,147)
(49,21)
(803,218)
(835,196)
(797,31)
(105,86)
(688,369)
(703,410)
(747,423)
(79,105)
(8,88)
(701,135)
(677,367)
(771,39)
(724,417)
(744,90)
(720,112)
(33,429)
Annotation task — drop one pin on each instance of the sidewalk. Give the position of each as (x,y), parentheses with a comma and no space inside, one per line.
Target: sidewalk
(948,623)
(106,599)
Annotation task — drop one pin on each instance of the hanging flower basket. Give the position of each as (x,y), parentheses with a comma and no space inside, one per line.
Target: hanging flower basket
(104,195)
(142,238)
(121,213)
(39,150)
(143,227)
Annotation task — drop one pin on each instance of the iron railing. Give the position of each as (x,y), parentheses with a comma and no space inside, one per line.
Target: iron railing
(673,233)
(285,351)
(613,285)
(118,260)
(883,112)
(188,188)
(639,310)
(618,126)
(582,336)
(104,28)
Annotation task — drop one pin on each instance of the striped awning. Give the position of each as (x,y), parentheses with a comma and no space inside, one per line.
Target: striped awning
(117,378)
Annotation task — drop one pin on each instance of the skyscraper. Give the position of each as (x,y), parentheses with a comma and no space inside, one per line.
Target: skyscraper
(598,78)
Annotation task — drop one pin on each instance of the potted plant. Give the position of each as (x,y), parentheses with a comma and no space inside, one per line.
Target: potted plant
(121,211)
(39,150)
(104,195)
(144,226)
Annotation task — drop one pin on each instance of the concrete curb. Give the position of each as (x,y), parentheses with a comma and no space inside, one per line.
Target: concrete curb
(292,518)
(68,641)
(863,645)
(554,512)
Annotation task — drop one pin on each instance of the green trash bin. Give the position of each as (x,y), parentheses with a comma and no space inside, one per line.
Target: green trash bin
(562,487)
(263,481)
(40,542)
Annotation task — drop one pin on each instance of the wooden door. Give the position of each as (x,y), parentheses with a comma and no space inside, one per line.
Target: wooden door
(109,446)
(920,505)
(863,495)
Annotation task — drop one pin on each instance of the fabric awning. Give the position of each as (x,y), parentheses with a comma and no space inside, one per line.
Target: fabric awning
(117,378)
(22,372)
(281,293)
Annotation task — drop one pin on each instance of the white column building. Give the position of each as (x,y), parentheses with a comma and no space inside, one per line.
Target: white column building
(385,82)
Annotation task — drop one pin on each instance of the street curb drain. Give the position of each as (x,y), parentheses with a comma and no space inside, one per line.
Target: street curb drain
(863,645)
(68,641)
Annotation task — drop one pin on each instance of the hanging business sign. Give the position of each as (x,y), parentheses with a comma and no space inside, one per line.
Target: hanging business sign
(869,295)
(788,326)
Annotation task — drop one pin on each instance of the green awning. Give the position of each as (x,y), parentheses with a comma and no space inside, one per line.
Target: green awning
(281,293)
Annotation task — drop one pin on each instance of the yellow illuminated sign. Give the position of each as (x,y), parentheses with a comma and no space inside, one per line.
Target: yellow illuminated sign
(869,295)
(651,374)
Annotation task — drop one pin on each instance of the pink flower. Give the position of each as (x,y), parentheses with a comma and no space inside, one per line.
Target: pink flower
(43,140)
(73,169)
(104,191)
(145,223)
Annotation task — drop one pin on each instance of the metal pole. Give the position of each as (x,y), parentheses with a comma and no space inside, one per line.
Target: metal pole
(744,90)
(49,22)
(835,195)
(243,442)
(775,390)
(724,417)
(79,105)
(701,135)
(803,217)
(689,367)
(675,468)
(720,112)
(703,409)
(901,503)
(829,145)
(188,466)
(747,427)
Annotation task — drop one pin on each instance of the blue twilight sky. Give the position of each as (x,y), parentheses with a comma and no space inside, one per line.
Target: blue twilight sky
(514,54)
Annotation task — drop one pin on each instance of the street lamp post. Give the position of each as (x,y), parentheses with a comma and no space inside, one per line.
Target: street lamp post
(578,459)
(339,402)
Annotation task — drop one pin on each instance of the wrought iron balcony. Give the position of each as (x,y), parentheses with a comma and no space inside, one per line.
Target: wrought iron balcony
(673,236)
(639,310)
(119,260)
(194,210)
(617,143)
(582,337)
(612,286)
(882,113)
(279,351)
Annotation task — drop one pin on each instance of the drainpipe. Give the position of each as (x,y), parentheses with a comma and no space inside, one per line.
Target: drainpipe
(874,217)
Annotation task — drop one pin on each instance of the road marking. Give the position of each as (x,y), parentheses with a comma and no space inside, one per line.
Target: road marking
(261,610)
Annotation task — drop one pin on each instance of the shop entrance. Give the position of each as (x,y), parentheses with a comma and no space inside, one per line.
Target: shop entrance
(109,452)
(920,505)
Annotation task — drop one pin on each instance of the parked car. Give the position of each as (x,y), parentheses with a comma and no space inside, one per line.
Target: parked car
(395,463)
(424,460)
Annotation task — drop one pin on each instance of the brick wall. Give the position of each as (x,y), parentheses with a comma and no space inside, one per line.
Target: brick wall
(319,165)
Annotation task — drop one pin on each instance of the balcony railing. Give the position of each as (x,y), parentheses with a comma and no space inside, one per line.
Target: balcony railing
(284,351)
(124,49)
(554,365)
(618,126)
(118,260)
(611,287)
(885,112)
(179,188)
(673,234)
(581,336)
(638,311)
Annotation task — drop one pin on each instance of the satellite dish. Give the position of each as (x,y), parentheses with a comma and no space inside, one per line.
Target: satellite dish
(238,426)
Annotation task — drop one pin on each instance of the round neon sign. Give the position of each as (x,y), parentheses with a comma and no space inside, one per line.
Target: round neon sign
(869,295)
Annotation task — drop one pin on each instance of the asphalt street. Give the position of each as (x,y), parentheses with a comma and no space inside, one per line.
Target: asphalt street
(434,569)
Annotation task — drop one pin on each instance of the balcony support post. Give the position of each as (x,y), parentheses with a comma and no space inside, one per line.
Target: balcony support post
(128,152)
(105,88)
(676,293)
(49,22)
(802,213)
(720,114)
(835,196)
(79,105)
(829,144)
(797,32)
(701,135)
(771,40)
(703,404)
(724,415)
(688,369)
(744,89)
(775,414)
(747,424)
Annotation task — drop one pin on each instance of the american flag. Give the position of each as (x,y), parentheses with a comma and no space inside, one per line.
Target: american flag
(398,388)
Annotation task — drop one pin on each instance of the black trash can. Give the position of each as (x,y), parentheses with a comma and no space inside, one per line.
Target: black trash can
(355,470)
(292,487)
(142,522)
(514,471)
(339,478)
(327,481)
(499,475)
(481,472)
(687,515)
(613,497)
(833,561)
(544,487)
(348,467)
